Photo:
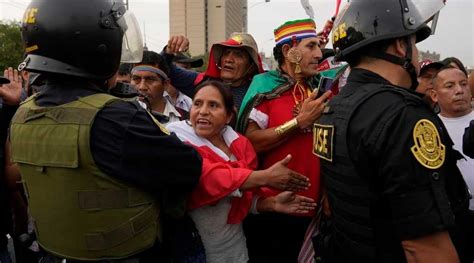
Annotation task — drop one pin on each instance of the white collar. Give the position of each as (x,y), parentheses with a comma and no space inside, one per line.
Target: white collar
(170,110)
(185,132)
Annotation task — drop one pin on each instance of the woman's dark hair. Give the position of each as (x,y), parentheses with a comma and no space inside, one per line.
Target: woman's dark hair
(226,94)
(456,61)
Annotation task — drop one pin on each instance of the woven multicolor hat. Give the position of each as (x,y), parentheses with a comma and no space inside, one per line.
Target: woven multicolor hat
(299,29)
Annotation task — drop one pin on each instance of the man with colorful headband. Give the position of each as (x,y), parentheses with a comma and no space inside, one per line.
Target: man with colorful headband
(234,61)
(277,115)
(150,78)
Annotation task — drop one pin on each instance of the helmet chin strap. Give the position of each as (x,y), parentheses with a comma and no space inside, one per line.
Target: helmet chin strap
(406,62)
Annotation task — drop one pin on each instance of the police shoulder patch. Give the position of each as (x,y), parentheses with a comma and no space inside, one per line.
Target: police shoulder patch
(428,149)
(323,141)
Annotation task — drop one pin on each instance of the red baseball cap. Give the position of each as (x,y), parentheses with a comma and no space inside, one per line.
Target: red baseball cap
(428,63)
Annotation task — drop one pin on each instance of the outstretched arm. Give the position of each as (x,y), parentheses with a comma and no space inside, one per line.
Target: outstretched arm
(287,203)
(278,176)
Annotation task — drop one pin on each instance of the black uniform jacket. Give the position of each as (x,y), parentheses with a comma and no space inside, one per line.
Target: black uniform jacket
(387,140)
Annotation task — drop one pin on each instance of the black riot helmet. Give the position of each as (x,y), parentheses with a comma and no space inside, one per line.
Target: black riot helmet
(80,38)
(364,22)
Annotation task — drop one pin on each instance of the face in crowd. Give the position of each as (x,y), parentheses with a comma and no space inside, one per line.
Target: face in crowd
(425,81)
(125,78)
(451,92)
(311,52)
(149,84)
(235,64)
(210,113)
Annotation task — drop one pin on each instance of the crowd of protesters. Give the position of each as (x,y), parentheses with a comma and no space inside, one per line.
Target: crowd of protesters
(359,153)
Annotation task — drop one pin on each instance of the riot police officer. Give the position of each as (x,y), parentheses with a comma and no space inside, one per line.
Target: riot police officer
(389,169)
(99,171)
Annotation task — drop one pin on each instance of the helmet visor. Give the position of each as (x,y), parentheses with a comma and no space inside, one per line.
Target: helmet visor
(422,12)
(132,43)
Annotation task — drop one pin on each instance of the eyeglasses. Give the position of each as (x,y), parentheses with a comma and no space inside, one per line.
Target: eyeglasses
(148,79)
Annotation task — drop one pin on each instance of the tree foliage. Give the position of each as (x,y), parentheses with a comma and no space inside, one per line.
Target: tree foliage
(11,47)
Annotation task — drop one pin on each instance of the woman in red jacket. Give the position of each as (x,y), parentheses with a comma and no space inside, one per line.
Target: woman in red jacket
(229,186)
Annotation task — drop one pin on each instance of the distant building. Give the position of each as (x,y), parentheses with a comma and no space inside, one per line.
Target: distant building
(433,56)
(205,22)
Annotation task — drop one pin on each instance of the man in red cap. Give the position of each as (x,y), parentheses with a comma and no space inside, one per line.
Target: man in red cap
(234,61)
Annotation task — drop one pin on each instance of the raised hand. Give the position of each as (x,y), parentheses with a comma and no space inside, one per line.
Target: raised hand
(311,109)
(282,178)
(291,203)
(11,92)
(177,44)
(324,34)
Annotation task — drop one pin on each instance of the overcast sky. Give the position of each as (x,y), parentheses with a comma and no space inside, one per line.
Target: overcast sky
(454,35)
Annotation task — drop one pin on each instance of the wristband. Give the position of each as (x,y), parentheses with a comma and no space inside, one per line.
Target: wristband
(287,127)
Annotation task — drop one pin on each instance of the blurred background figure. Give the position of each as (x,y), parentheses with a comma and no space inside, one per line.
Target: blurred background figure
(187,62)
(173,95)
(428,70)
(124,72)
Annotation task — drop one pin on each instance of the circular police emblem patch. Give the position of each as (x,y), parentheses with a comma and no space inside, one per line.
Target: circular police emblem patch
(428,149)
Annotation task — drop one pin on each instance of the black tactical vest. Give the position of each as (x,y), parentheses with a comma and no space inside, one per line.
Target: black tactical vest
(353,197)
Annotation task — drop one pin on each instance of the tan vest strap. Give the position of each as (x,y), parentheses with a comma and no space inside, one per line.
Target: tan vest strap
(108,199)
(161,126)
(115,237)
(99,100)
